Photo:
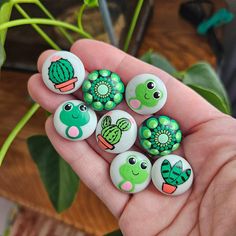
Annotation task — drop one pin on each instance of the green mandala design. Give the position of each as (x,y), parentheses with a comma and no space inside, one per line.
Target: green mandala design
(103,90)
(160,135)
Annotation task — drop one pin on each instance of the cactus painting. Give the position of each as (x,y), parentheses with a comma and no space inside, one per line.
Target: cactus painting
(111,133)
(61,73)
(173,176)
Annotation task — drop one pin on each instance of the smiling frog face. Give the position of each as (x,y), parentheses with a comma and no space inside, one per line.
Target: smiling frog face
(148,94)
(72,115)
(134,170)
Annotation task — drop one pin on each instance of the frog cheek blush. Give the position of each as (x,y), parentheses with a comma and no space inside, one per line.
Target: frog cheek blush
(116,131)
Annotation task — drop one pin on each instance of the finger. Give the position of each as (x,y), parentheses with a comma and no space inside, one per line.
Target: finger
(42,58)
(43,96)
(50,101)
(92,169)
(183,104)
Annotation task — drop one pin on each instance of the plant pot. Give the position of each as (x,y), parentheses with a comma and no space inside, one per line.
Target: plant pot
(103,143)
(168,188)
(66,86)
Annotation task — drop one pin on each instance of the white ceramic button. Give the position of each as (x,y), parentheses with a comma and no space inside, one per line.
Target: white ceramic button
(130,171)
(146,94)
(73,120)
(63,72)
(116,131)
(172,175)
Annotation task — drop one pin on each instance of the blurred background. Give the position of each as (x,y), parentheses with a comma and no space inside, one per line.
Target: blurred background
(169,34)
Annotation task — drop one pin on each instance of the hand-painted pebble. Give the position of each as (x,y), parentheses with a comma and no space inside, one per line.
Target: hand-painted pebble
(63,72)
(160,136)
(103,90)
(116,131)
(73,120)
(130,171)
(146,94)
(172,175)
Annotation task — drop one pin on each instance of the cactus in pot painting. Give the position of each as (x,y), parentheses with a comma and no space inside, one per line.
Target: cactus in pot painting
(173,176)
(112,133)
(61,73)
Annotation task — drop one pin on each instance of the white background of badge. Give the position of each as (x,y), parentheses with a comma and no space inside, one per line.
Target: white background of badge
(122,158)
(77,64)
(87,129)
(142,78)
(157,177)
(128,137)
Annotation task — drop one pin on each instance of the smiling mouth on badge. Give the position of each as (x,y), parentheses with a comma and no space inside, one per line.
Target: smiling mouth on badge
(135,173)
(145,96)
(75,117)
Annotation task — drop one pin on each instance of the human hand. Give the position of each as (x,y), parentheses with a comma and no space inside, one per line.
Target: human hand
(209,144)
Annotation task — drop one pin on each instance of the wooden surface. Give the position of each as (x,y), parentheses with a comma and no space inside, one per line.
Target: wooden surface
(19,178)
(31,223)
(175,38)
(167,34)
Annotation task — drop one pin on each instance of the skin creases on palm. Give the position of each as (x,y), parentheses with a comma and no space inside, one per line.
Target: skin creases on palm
(209,141)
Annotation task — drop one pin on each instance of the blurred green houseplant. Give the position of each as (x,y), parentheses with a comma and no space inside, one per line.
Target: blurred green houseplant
(59,180)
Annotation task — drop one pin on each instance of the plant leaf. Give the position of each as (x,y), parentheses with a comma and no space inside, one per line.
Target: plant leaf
(175,171)
(59,179)
(159,61)
(165,169)
(202,78)
(2,55)
(91,3)
(183,177)
(5,15)
(115,233)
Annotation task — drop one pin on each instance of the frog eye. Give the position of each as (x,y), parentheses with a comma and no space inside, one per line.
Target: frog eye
(132,160)
(150,85)
(143,165)
(83,108)
(68,107)
(157,95)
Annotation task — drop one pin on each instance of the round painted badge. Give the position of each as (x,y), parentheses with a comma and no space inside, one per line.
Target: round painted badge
(116,131)
(63,72)
(130,171)
(145,94)
(73,120)
(160,136)
(172,175)
(103,90)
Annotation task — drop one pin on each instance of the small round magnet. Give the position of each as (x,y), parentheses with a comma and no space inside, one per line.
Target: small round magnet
(116,131)
(146,94)
(130,171)
(74,121)
(160,135)
(63,72)
(172,175)
(103,90)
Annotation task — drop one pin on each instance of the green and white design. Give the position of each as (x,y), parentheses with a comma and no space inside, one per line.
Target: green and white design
(73,120)
(130,171)
(172,175)
(63,72)
(103,90)
(112,133)
(160,135)
(116,131)
(146,94)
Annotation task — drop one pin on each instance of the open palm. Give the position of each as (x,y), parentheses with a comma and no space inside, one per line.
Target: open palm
(209,144)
